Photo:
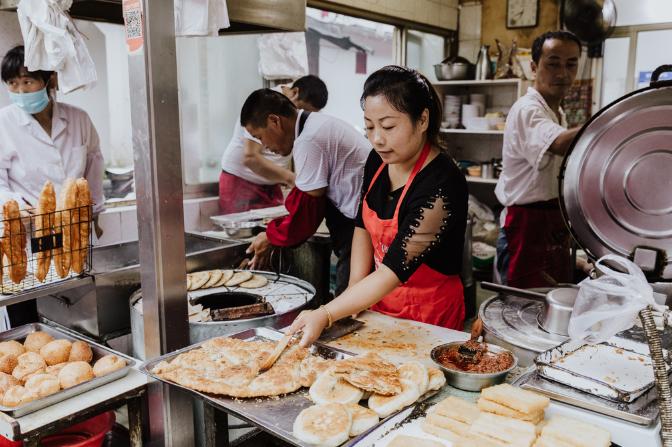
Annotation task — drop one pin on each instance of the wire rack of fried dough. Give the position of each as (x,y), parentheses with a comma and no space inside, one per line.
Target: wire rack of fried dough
(48,245)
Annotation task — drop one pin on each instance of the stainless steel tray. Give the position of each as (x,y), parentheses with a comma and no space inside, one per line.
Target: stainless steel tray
(21,332)
(617,369)
(643,411)
(274,415)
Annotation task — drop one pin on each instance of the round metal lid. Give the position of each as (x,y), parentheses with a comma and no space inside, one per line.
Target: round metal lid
(616,181)
(515,320)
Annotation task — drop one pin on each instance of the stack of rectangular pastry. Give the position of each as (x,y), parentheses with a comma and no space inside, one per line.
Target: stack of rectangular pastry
(565,432)
(451,418)
(513,402)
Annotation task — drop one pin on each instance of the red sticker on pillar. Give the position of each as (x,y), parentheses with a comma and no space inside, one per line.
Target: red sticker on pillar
(360,63)
(133,24)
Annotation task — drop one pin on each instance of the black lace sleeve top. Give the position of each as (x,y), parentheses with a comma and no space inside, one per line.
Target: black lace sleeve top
(432,217)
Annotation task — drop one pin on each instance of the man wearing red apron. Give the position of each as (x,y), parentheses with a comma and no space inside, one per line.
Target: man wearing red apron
(428,296)
(533,249)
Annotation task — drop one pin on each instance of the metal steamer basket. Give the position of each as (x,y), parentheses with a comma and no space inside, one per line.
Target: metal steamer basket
(615,198)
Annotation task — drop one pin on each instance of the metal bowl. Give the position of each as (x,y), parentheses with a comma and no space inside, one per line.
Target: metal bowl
(451,71)
(470,381)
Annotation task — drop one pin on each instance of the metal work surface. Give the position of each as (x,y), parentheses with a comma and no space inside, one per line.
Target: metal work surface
(273,414)
(38,422)
(397,340)
(21,332)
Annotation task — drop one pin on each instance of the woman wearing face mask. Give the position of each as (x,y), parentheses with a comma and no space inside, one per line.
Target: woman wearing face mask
(412,217)
(42,139)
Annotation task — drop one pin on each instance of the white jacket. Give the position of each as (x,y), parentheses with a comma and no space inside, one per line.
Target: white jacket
(29,157)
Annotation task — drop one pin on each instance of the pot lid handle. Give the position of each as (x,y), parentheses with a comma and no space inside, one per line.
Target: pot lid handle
(656,75)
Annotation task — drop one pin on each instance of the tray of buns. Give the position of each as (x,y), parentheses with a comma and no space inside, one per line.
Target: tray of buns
(302,388)
(41,365)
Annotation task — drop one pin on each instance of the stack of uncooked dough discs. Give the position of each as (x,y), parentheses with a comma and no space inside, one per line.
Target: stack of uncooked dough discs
(224,278)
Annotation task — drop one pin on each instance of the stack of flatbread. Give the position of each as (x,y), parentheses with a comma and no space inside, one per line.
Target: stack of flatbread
(332,424)
(565,432)
(451,418)
(231,367)
(510,401)
(347,382)
(219,278)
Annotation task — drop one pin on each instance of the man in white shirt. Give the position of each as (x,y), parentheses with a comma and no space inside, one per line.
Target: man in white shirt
(40,140)
(251,174)
(329,156)
(533,246)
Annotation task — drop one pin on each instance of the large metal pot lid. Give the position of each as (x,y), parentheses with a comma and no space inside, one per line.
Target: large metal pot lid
(616,180)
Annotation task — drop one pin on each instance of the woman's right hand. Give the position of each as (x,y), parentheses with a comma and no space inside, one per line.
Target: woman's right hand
(312,324)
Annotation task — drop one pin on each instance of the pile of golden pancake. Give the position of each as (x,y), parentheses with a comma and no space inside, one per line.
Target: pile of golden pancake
(219,278)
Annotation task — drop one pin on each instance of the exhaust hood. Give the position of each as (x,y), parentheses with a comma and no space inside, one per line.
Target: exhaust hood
(246,16)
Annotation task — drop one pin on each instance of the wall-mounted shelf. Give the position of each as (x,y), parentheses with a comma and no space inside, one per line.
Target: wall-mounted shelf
(473,132)
(486,82)
(489,181)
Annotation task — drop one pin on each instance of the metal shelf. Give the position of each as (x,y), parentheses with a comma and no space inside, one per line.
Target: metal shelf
(473,132)
(489,181)
(48,289)
(486,82)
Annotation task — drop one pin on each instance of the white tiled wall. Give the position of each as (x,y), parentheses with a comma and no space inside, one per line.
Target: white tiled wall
(120,224)
(470,30)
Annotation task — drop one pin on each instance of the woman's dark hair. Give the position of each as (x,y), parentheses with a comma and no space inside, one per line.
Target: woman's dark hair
(312,90)
(13,67)
(262,103)
(409,92)
(538,44)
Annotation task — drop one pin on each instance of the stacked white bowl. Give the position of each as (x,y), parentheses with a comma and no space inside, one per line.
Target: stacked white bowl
(451,111)
(478,99)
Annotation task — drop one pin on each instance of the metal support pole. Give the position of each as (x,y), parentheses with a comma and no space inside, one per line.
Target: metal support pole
(158,185)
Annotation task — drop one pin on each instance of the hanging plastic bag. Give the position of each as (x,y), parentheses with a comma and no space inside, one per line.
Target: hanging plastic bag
(53,43)
(611,303)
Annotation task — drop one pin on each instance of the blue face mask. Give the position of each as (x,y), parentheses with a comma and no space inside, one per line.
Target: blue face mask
(32,103)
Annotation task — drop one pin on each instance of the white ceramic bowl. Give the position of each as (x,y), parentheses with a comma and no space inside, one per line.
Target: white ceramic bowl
(476,123)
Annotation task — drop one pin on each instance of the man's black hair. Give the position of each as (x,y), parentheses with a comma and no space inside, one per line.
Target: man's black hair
(264,102)
(312,90)
(13,67)
(538,44)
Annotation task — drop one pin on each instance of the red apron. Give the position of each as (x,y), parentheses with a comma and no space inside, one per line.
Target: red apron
(538,245)
(428,296)
(237,194)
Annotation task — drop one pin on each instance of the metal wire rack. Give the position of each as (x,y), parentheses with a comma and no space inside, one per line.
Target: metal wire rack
(43,249)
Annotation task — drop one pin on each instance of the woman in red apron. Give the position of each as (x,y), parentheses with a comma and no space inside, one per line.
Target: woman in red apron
(407,245)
